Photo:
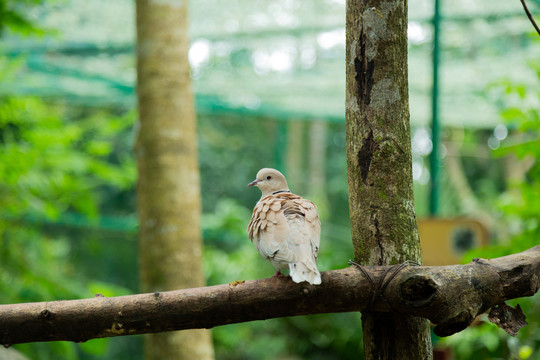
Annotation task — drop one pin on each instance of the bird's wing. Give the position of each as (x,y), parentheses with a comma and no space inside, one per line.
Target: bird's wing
(269,230)
(304,239)
(304,222)
(286,229)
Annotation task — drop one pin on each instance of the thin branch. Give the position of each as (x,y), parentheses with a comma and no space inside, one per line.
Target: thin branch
(529,15)
(443,294)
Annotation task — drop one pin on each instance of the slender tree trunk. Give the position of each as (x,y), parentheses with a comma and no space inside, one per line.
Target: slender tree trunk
(379,164)
(168,188)
(468,201)
(295,146)
(317,156)
(317,166)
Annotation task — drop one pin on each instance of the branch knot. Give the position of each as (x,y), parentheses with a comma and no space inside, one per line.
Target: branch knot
(378,289)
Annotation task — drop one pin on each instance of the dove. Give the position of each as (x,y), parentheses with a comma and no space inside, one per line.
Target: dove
(285,228)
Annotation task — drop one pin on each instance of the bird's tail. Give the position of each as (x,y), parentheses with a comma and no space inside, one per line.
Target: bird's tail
(301,272)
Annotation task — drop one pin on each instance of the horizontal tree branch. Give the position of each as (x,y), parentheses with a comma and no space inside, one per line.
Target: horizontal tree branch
(450,296)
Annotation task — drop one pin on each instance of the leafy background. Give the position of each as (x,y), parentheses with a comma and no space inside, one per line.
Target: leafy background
(67,172)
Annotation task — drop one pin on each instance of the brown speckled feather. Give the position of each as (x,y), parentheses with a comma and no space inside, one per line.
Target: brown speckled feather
(286,230)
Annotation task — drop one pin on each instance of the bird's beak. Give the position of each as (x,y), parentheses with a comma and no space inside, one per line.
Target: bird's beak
(253,183)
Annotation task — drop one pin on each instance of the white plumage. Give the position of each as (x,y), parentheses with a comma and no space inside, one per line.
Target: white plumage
(285,228)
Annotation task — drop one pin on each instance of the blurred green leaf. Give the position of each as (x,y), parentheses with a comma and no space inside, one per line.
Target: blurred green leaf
(52,165)
(519,207)
(96,347)
(525,352)
(14,16)
(107,289)
(512,114)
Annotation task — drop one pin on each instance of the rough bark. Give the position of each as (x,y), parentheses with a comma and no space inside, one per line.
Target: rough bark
(450,296)
(168,188)
(383,221)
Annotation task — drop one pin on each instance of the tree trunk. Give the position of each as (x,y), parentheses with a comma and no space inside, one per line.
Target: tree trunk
(317,166)
(317,157)
(295,149)
(168,188)
(379,164)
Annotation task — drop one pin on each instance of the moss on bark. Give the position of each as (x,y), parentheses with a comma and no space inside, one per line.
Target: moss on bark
(383,219)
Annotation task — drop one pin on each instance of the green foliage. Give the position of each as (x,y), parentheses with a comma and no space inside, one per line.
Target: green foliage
(50,166)
(59,161)
(14,15)
(521,202)
(520,209)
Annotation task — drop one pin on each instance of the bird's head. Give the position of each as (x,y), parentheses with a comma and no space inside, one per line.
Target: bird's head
(270,181)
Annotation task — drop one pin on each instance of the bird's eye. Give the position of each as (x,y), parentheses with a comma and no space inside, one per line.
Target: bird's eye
(268,177)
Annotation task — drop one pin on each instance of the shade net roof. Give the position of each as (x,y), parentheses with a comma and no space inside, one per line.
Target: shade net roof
(282,59)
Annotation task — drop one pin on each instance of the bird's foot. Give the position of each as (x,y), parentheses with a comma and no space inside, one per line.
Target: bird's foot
(278,273)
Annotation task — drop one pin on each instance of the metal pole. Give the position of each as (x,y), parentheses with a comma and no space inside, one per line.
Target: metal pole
(434,156)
